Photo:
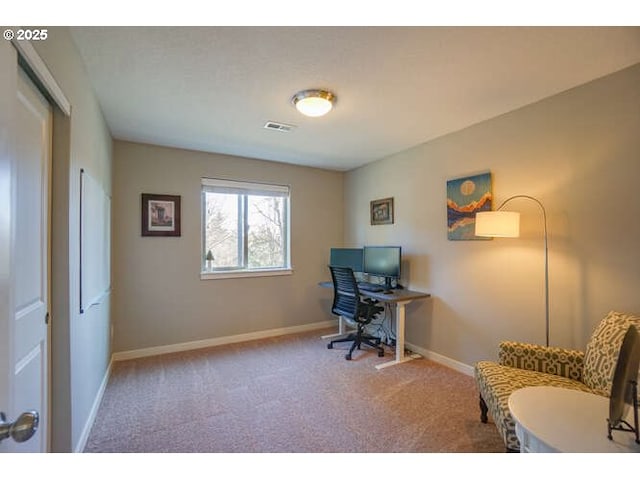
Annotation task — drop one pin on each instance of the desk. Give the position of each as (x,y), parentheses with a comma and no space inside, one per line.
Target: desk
(552,419)
(400,298)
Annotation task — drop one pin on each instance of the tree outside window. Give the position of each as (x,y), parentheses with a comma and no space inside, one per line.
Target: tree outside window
(245,226)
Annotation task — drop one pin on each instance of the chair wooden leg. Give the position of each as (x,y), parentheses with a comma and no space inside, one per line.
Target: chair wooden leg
(483,410)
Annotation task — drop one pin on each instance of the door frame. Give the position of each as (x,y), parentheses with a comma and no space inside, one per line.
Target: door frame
(42,77)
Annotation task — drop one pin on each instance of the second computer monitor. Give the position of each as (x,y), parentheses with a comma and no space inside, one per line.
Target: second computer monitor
(346,257)
(382,261)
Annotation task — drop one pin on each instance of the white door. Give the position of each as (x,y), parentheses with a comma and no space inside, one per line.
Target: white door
(24,384)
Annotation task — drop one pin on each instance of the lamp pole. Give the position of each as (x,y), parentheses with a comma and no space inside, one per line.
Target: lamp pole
(546,256)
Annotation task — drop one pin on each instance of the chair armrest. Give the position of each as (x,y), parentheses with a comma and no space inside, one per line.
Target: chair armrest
(553,360)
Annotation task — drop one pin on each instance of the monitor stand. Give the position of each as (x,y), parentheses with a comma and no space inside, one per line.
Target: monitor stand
(387,283)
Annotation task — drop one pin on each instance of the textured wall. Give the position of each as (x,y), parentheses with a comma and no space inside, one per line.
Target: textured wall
(579,153)
(81,343)
(159,298)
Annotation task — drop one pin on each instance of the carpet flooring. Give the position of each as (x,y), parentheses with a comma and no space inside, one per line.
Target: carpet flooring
(288,394)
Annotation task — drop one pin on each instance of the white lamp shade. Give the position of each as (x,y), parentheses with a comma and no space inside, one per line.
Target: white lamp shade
(313,106)
(314,103)
(497,224)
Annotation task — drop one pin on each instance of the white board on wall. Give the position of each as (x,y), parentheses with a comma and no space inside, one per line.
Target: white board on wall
(95,242)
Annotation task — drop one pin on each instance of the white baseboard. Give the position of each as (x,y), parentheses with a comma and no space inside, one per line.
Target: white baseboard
(446,361)
(82,441)
(213,342)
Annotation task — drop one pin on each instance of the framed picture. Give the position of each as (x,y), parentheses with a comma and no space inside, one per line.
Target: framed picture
(382,211)
(465,197)
(160,215)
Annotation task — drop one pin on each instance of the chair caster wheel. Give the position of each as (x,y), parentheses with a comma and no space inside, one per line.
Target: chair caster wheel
(329,346)
(348,356)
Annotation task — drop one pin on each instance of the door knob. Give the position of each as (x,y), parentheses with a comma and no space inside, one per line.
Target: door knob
(22,429)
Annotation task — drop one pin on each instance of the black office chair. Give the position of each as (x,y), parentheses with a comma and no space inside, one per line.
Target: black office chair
(348,303)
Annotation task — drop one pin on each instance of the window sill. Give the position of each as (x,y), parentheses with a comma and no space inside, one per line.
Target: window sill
(245,274)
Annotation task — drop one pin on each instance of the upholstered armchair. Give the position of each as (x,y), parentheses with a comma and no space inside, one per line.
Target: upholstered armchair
(526,365)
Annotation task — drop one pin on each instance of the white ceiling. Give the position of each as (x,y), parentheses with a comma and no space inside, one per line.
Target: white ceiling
(213,88)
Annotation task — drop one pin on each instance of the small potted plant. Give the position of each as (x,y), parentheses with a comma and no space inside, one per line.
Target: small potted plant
(209,259)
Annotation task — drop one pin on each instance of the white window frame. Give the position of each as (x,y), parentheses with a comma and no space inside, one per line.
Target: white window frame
(244,188)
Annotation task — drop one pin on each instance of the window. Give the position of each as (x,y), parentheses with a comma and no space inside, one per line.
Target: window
(245,228)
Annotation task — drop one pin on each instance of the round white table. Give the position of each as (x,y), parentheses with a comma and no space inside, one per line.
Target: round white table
(551,419)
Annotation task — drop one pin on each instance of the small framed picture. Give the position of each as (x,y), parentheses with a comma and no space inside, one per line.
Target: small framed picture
(382,211)
(160,215)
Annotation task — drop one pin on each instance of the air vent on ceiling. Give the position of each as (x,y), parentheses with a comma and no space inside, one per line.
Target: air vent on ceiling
(280,127)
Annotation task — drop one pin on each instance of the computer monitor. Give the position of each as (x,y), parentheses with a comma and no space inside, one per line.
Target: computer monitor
(382,262)
(346,257)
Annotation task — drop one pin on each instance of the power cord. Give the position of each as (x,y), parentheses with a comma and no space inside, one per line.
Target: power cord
(384,328)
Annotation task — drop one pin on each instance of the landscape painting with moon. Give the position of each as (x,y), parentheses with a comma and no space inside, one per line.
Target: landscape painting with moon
(465,197)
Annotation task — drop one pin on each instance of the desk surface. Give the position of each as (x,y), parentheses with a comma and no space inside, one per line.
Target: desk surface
(398,295)
(564,420)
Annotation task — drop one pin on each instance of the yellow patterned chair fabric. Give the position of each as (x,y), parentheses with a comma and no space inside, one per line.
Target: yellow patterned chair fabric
(526,365)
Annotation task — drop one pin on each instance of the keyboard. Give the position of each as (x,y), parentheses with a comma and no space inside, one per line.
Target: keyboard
(370,287)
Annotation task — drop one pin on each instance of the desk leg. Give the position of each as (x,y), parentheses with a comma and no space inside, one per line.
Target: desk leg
(342,330)
(400,356)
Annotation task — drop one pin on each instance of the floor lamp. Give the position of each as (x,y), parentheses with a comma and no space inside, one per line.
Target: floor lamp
(500,223)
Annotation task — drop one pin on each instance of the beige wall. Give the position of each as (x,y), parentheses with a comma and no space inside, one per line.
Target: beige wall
(81,343)
(158,297)
(579,153)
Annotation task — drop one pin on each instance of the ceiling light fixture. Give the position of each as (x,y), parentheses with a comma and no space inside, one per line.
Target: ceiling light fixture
(314,103)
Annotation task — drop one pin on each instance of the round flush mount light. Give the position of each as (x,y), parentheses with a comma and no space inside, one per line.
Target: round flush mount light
(314,103)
